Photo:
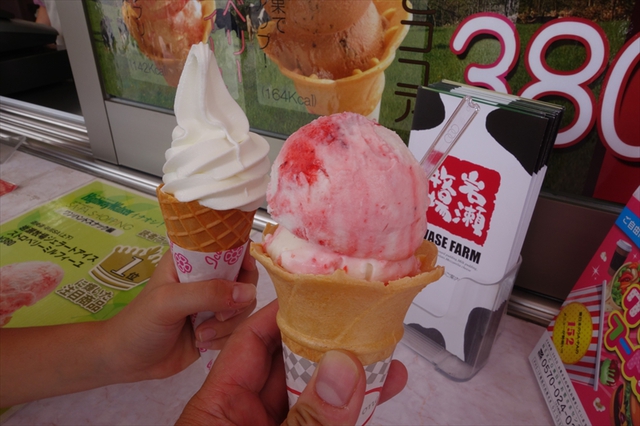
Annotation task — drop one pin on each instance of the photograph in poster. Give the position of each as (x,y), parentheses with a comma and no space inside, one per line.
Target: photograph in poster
(580,54)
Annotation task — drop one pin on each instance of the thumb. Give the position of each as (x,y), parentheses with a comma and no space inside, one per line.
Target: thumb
(334,394)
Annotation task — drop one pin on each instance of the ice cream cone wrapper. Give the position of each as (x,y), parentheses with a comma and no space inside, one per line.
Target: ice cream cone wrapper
(361,92)
(319,313)
(205,244)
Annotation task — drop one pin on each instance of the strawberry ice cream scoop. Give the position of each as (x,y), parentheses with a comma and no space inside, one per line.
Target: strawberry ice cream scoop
(350,186)
(24,283)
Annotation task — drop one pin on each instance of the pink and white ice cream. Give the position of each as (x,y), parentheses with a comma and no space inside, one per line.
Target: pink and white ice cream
(25,283)
(347,194)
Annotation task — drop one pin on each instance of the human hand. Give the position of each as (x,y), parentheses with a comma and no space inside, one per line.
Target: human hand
(152,337)
(246,384)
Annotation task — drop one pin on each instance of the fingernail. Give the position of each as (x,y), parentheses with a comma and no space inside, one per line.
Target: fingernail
(243,293)
(337,378)
(223,316)
(207,335)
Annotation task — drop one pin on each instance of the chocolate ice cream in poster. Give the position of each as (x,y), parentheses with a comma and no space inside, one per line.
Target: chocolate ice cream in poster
(596,332)
(81,257)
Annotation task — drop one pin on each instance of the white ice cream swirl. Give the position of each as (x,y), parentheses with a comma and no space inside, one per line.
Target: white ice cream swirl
(213,158)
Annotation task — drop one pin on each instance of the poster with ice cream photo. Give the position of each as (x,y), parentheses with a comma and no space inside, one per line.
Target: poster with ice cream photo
(81,257)
(299,57)
(296,60)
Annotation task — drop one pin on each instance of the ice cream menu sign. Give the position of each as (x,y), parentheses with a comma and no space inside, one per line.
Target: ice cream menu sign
(81,257)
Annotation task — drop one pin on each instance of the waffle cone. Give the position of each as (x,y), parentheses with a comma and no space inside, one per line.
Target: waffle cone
(195,227)
(319,313)
(361,92)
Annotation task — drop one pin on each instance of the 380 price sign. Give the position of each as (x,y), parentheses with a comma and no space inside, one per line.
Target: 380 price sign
(557,389)
(571,85)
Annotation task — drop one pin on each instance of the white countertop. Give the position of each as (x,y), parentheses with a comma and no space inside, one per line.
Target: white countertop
(504,392)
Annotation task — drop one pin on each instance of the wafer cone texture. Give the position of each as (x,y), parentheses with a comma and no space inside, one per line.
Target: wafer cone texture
(195,227)
(319,313)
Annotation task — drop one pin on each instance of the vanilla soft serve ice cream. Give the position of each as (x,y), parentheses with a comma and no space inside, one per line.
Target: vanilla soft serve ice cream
(215,178)
(214,158)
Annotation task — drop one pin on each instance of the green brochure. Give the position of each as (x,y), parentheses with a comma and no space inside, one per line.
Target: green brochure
(81,257)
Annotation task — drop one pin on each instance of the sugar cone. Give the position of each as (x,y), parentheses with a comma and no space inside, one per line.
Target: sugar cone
(324,312)
(195,227)
(360,92)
